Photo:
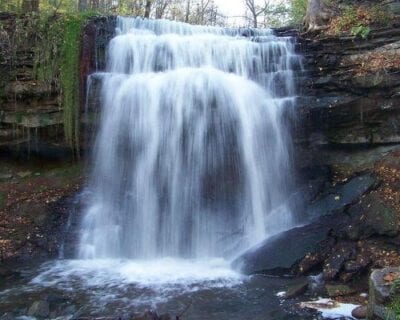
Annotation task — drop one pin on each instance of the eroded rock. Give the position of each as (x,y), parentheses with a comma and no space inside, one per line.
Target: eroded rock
(278,254)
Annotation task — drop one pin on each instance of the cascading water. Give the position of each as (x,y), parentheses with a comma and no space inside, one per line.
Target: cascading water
(192,154)
(191,166)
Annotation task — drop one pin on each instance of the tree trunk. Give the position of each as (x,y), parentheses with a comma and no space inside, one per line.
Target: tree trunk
(147,9)
(187,11)
(317,15)
(30,5)
(255,24)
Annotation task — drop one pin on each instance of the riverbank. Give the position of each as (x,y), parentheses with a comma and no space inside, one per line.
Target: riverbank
(35,204)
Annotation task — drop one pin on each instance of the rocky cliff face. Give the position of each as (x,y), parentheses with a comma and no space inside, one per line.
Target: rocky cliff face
(351,96)
(38,182)
(27,104)
(347,135)
(32,116)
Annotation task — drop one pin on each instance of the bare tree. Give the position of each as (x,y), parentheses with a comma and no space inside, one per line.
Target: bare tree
(317,15)
(202,7)
(187,12)
(256,10)
(161,7)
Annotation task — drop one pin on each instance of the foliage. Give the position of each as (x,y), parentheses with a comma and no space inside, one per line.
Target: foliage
(394,309)
(358,20)
(276,15)
(298,11)
(362,31)
(55,41)
(44,5)
(394,305)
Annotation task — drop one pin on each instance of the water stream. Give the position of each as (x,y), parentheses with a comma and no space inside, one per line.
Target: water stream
(192,157)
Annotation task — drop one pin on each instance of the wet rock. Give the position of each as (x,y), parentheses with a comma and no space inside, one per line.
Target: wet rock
(338,290)
(309,262)
(361,262)
(165,316)
(39,309)
(278,254)
(340,196)
(297,289)
(372,217)
(359,312)
(335,261)
(355,266)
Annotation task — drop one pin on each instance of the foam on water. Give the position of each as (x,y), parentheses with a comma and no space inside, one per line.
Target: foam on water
(166,273)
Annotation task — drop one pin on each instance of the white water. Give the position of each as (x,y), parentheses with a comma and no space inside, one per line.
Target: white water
(192,157)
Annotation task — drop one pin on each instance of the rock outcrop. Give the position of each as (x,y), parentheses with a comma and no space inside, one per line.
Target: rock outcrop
(32,115)
(348,122)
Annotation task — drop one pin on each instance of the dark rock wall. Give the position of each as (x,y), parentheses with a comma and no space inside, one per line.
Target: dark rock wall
(349,108)
(31,109)
(27,105)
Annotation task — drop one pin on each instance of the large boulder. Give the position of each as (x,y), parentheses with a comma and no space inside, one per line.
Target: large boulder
(380,293)
(372,216)
(278,254)
(340,196)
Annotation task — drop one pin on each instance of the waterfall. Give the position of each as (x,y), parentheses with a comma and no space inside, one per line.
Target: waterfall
(192,155)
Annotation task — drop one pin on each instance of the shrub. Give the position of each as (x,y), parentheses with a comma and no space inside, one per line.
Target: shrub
(298,10)
(357,20)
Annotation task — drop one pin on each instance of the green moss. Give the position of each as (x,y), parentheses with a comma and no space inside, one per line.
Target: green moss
(69,75)
(298,10)
(56,42)
(70,79)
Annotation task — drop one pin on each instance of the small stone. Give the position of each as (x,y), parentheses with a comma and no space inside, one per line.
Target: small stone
(360,312)
(338,290)
(24,174)
(39,309)
(296,290)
